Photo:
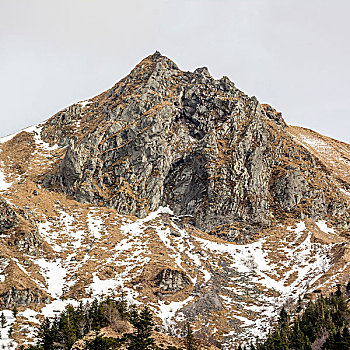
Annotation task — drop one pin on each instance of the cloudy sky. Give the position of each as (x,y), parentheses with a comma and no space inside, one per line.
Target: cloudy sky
(292,54)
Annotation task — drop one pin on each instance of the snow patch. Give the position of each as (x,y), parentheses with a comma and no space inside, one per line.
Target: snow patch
(84,103)
(54,275)
(321,224)
(4,185)
(95,224)
(167,311)
(30,315)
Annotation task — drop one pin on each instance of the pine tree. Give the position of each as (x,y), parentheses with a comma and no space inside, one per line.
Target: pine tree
(15,312)
(348,287)
(190,341)
(47,334)
(284,318)
(299,307)
(338,293)
(99,343)
(143,322)
(3,320)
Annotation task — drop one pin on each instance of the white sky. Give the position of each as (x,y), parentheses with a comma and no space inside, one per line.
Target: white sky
(293,54)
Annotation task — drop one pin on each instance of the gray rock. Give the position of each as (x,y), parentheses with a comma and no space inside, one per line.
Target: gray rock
(207,303)
(184,140)
(171,280)
(25,240)
(8,216)
(21,297)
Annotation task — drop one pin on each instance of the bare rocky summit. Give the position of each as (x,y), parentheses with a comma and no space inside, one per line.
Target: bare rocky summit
(164,137)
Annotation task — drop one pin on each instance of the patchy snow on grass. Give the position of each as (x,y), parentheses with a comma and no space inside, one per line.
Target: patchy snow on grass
(3,263)
(57,306)
(135,228)
(49,234)
(245,257)
(74,236)
(189,250)
(167,311)
(100,287)
(300,227)
(95,224)
(30,129)
(345,192)
(39,142)
(6,342)
(255,266)
(36,130)
(316,143)
(84,103)
(21,267)
(30,315)
(321,224)
(103,287)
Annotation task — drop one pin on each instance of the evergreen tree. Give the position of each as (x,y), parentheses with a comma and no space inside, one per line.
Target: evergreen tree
(15,312)
(47,335)
(3,320)
(102,343)
(143,323)
(284,318)
(99,343)
(338,292)
(190,341)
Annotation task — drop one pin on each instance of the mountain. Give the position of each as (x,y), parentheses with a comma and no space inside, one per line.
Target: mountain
(180,191)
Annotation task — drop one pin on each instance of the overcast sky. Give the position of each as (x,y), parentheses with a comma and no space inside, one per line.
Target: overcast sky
(292,54)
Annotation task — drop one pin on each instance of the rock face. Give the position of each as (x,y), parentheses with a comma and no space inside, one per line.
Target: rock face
(204,305)
(164,137)
(25,236)
(21,297)
(171,280)
(8,217)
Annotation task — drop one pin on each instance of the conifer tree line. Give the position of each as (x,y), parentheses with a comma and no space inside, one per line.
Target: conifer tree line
(320,325)
(74,323)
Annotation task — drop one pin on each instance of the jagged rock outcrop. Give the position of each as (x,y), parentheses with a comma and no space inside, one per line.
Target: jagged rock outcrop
(21,230)
(169,280)
(27,241)
(21,297)
(8,216)
(204,305)
(164,137)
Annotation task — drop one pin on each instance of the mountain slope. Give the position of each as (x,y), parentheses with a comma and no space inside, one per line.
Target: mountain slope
(179,190)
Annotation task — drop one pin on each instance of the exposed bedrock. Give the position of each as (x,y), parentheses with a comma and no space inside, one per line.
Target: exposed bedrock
(21,297)
(8,216)
(164,137)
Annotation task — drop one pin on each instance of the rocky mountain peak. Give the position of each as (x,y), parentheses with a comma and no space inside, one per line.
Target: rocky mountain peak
(182,193)
(165,137)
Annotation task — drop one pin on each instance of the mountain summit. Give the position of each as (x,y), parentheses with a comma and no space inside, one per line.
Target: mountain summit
(164,137)
(180,192)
